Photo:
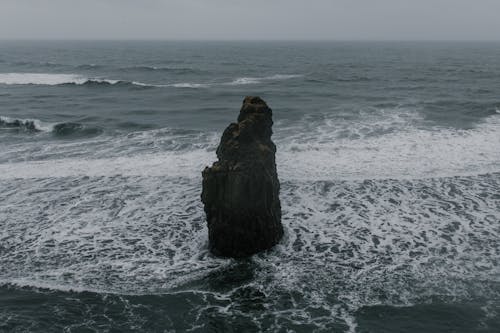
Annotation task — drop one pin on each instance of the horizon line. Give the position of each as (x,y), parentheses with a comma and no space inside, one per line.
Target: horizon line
(243,40)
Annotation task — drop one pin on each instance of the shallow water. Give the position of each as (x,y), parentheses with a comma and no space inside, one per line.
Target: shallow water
(387,154)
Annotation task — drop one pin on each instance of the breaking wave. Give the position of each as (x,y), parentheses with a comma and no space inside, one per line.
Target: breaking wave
(32,125)
(319,150)
(46,79)
(173,70)
(40,79)
(388,145)
(67,129)
(80,80)
(51,79)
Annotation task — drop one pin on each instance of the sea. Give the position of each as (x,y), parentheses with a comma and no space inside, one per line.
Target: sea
(388,154)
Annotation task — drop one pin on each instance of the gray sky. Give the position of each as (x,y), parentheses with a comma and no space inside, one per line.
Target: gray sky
(251,19)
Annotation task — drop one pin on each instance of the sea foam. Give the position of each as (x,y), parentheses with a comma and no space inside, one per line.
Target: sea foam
(50,79)
(40,79)
(256,80)
(324,152)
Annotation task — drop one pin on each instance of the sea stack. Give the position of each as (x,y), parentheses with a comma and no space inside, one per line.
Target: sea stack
(241,190)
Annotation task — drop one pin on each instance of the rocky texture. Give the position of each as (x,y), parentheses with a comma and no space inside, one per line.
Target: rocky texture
(241,189)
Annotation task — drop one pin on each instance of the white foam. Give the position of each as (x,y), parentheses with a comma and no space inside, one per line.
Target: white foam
(245,80)
(190,85)
(347,150)
(101,81)
(320,154)
(173,164)
(40,78)
(348,244)
(283,76)
(49,79)
(256,80)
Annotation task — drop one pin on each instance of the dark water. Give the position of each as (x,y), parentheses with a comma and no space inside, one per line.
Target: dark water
(388,154)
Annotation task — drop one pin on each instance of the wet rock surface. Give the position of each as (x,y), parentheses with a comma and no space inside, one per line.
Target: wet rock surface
(241,190)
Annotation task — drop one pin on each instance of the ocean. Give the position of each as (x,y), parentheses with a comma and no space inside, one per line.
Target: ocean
(388,154)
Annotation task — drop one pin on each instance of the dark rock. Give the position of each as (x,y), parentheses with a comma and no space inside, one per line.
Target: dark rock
(241,190)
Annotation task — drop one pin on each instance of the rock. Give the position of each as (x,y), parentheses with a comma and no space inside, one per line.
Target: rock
(241,190)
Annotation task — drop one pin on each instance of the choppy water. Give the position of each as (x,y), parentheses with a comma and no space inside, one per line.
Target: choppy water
(388,155)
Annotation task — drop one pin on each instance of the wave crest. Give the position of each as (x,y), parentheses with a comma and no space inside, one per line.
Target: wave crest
(257,80)
(51,79)
(66,129)
(173,70)
(46,79)
(31,125)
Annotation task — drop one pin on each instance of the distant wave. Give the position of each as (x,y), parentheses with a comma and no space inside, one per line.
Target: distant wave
(38,64)
(190,85)
(57,129)
(89,66)
(256,80)
(144,68)
(52,79)
(353,78)
(236,82)
(49,79)
(49,64)
(174,70)
(106,82)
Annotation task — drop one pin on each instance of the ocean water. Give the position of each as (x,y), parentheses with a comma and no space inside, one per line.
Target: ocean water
(388,156)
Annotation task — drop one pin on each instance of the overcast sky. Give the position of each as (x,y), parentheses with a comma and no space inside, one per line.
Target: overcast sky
(251,19)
